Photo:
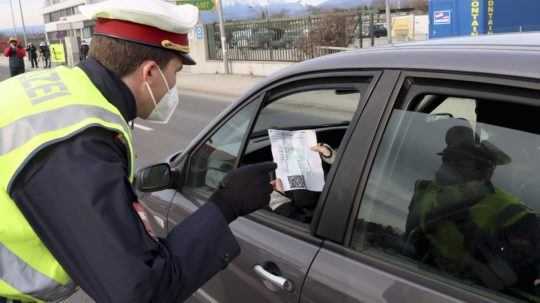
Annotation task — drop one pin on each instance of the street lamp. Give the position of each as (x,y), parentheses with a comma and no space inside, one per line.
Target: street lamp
(262,11)
(388,22)
(22,20)
(13,18)
(268,10)
(219,7)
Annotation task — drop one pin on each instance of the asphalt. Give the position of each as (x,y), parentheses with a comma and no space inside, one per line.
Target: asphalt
(4,72)
(156,142)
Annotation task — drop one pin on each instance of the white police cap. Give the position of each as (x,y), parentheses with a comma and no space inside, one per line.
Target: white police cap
(151,22)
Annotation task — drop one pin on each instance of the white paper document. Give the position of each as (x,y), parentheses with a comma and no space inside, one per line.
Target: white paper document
(298,166)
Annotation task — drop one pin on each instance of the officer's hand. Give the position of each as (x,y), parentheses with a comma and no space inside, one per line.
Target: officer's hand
(244,190)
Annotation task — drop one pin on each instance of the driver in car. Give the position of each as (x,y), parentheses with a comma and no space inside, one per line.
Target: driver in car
(299,204)
(464,225)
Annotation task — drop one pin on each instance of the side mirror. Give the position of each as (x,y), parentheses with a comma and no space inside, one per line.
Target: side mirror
(154,178)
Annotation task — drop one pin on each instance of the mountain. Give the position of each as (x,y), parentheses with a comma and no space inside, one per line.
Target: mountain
(343,4)
(31,29)
(252,10)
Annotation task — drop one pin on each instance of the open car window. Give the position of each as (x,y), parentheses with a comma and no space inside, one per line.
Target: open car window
(326,110)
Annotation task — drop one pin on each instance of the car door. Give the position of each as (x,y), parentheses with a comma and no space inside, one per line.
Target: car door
(277,251)
(406,131)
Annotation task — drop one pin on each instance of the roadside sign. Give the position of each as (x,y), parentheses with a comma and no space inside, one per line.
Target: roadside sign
(199,32)
(203,5)
(57,53)
(442,17)
(403,27)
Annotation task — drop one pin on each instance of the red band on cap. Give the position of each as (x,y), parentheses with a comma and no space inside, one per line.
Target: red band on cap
(138,32)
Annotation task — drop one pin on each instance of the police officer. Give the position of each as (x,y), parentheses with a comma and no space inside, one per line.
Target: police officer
(45,54)
(83,50)
(67,161)
(464,225)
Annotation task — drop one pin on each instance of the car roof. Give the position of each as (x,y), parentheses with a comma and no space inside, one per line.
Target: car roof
(515,55)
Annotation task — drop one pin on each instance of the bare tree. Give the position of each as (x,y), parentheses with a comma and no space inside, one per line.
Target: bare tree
(420,5)
(378,4)
(313,10)
(284,13)
(330,30)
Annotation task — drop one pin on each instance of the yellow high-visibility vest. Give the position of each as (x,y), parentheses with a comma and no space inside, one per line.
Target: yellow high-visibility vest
(37,110)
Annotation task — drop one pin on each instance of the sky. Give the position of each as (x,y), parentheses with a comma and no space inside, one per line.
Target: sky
(31,11)
(33,16)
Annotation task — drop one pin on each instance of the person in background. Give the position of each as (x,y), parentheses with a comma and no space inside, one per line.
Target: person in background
(32,52)
(16,53)
(83,50)
(45,53)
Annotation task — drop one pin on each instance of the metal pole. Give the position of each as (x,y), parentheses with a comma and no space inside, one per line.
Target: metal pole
(13,18)
(360,29)
(414,27)
(23,26)
(223,37)
(268,10)
(372,28)
(388,22)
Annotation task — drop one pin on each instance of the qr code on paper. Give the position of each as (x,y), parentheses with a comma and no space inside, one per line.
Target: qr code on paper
(297,181)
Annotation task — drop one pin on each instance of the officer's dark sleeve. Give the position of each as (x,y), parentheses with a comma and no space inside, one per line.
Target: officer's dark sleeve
(77,197)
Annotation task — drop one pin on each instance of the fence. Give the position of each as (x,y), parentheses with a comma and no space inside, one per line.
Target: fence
(293,39)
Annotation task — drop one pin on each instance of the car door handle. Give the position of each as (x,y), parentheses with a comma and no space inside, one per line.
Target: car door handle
(276,281)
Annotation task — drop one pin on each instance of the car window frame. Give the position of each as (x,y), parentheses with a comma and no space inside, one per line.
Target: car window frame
(274,221)
(371,257)
(331,219)
(294,86)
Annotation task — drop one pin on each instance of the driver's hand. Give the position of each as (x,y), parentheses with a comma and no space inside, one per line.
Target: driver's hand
(323,150)
(326,152)
(244,190)
(278,185)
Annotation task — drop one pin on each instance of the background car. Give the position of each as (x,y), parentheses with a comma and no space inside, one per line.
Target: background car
(255,38)
(387,113)
(377,30)
(289,39)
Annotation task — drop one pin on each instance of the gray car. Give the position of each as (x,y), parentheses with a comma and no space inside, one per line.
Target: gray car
(391,115)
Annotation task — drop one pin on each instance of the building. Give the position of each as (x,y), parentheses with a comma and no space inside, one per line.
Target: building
(477,17)
(62,19)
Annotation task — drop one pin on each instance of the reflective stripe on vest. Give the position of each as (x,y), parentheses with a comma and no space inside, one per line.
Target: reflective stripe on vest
(26,280)
(37,110)
(50,121)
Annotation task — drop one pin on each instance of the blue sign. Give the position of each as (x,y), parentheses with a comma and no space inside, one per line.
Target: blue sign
(442,17)
(199,32)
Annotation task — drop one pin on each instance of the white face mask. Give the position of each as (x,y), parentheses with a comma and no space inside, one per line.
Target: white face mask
(163,110)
